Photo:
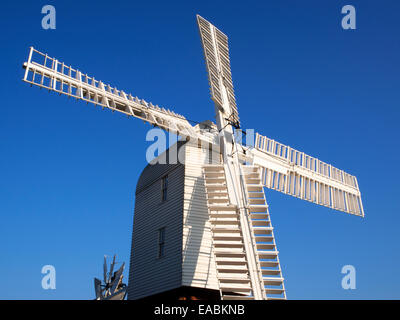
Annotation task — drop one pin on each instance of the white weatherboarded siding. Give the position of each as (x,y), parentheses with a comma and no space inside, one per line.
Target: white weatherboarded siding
(189,259)
(149,274)
(198,264)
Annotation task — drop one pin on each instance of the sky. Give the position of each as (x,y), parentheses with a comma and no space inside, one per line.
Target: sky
(68,170)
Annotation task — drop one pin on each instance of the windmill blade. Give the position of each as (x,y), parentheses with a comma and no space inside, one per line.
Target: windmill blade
(216,53)
(111,269)
(293,172)
(117,278)
(105,270)
(97,288)
(46,72)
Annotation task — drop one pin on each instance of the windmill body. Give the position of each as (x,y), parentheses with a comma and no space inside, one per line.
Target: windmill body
(187,261)
(204,254)
(202,227)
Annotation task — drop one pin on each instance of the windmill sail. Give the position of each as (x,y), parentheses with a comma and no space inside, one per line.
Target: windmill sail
(295,173)
(216,53)
(112,288)
(116,278)
(111,269)
(97,288)
(46,72)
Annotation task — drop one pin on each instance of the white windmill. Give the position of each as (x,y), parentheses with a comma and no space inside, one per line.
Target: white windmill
(202,228)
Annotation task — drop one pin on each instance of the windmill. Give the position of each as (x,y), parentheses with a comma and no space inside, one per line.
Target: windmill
(203,228)
(112,288)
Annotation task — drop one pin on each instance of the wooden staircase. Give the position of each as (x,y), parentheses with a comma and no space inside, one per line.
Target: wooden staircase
(229,250)
(228,247)
(263,235)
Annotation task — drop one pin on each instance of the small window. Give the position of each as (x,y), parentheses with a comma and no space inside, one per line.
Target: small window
(161,242)
(164,187)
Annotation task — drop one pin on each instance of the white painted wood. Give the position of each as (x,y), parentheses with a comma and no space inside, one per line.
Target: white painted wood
(296,167)
(216,54)
(149,274)
(199,269)
(94,91)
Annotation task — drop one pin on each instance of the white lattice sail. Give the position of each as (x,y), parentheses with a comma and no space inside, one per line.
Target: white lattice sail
(295,173)
(47,72)
(216,53)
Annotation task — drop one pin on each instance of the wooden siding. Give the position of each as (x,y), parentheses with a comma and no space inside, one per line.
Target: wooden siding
(198,264)
(149,274)
(189,259)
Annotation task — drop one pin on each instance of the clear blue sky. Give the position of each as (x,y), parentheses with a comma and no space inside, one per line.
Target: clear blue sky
(69,170)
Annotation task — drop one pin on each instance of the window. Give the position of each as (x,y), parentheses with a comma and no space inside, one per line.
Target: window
(161,242)
(164,187)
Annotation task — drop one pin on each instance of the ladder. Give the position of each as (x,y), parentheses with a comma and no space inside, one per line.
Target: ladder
(263,235)
(230,256)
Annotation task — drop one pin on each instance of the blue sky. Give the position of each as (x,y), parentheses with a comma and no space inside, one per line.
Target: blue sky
(69,170)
